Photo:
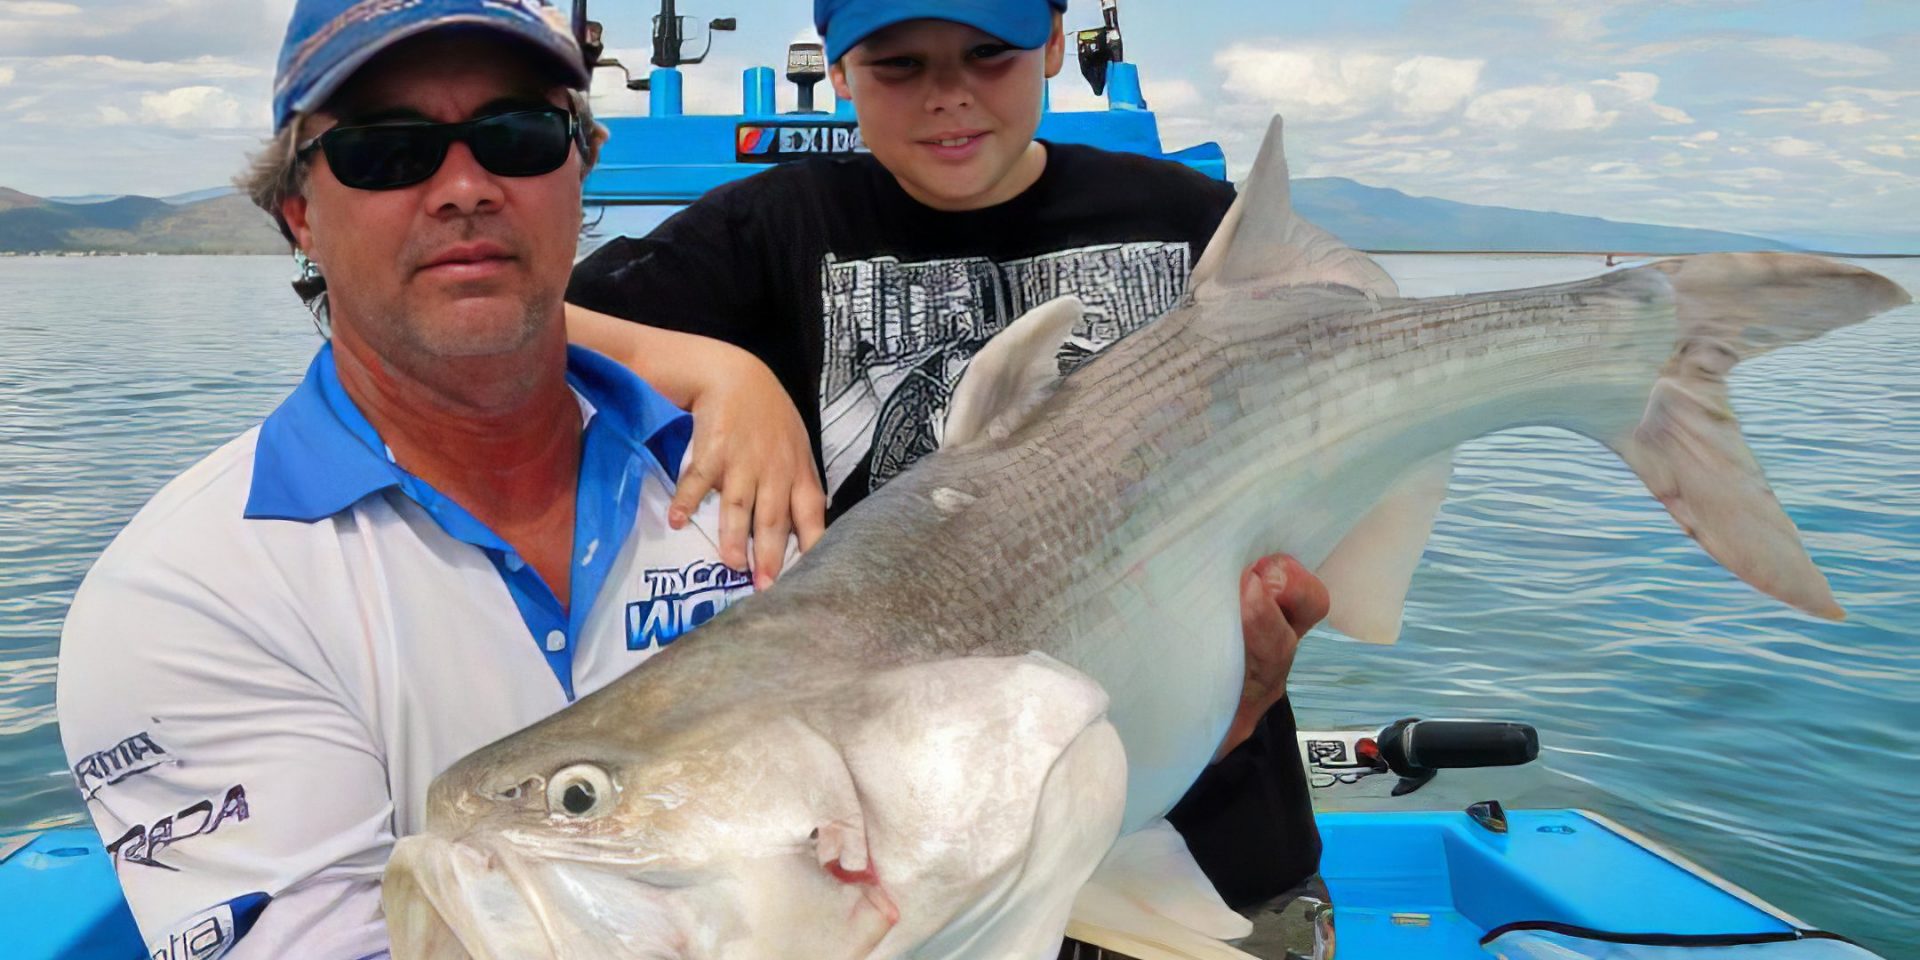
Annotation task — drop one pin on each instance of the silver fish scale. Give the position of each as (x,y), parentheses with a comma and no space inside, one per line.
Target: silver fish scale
(1205,396)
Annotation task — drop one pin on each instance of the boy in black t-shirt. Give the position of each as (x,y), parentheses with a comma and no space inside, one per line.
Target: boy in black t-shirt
(866,283)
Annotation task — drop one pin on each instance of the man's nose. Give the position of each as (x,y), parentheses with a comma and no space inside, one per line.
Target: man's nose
(462,187)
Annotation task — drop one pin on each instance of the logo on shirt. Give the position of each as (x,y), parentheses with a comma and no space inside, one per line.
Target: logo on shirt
(681,598)
(209,934)
(772,143)
(134,755)
(142,844)
(900,334)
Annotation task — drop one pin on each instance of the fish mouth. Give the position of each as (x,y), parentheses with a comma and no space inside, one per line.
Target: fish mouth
(474,899)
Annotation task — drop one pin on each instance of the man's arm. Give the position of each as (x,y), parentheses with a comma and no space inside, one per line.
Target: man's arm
(238,796)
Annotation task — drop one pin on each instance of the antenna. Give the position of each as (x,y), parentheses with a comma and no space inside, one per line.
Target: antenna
(1101,46)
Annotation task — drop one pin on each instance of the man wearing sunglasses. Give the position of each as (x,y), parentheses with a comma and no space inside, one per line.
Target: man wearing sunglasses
(454,527)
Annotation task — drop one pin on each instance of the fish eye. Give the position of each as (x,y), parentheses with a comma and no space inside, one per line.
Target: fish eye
(581,790)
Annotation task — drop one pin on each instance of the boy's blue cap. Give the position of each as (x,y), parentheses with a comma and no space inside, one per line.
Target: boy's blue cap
(1023,23)
(327,40)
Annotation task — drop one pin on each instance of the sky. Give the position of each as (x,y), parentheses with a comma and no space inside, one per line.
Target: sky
(1796,119)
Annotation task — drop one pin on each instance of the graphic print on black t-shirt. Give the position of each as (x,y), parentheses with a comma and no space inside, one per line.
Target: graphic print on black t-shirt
(899,335)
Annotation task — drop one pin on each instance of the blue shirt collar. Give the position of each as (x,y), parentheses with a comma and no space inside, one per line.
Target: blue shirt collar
(318,455)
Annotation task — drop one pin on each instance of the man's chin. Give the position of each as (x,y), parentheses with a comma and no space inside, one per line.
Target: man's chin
(480,327)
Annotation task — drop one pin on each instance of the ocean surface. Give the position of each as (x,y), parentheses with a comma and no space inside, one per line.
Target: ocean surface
(1779,751)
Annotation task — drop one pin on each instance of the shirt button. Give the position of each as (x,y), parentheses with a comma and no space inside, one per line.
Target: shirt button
(556,641)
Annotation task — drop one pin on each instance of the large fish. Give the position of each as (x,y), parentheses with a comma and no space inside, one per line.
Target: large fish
(924,740)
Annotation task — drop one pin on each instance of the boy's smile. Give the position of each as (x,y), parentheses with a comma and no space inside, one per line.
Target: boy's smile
(950,110)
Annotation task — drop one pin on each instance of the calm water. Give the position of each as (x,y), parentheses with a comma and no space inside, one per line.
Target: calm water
(1777,750)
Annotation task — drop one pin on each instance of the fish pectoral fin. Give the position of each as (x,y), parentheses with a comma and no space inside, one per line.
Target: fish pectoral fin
(1011,374)
(1149,900)
(1262,243)
(1687,446)
(1369,570)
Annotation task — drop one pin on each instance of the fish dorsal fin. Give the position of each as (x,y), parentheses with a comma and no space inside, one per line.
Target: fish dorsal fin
(1369,570)
(1149,900)
(1262,242)
(1011,374)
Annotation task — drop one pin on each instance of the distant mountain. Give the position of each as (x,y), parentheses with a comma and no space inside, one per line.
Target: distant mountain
(195,196)
(226,223)
(14,199)
(221,220)
(1377,218)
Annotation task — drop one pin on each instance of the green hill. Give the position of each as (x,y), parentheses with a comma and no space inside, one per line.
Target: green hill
(222,224)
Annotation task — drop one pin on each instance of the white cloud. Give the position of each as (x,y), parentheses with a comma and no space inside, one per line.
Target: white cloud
(1319,84)
(37,8)
(1835,112)
(1424,86)
(1637,90)
(1692,141)
(1794,147)
(1873,94)
(1739,201)
(6,76)
(126,73)
(1540,108)
(1866,169)
(1636,85)
(1068,93)
(1307,84)
(1847,113)
(1888,150)
(199,107)
(1849,56)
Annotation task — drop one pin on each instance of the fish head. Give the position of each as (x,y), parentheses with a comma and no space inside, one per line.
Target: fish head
(740,836)
(943,810)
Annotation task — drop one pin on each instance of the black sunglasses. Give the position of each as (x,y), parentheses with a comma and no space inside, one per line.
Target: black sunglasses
(388,156)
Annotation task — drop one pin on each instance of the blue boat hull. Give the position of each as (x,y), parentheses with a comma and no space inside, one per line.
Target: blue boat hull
(1431,885)
(1404,885)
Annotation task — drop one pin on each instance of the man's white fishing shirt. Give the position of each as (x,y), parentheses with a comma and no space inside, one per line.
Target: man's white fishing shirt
(265,670)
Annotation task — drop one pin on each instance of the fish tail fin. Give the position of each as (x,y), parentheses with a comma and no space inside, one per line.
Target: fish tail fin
(1687,446)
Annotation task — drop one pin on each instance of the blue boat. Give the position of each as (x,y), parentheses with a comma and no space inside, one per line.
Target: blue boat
(1406,886)
(1526,885)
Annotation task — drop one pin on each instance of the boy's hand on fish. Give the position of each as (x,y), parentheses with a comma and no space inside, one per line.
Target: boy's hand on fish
(1280,600)
(750,445)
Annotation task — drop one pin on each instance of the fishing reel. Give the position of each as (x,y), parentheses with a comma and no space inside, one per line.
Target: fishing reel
(1415,750)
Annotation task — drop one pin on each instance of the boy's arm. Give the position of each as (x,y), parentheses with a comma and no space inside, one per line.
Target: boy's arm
(240,800)
(701,272)
(749,442)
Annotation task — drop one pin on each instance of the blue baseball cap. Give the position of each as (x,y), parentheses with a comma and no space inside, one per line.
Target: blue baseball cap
(1023,23)
(327,40)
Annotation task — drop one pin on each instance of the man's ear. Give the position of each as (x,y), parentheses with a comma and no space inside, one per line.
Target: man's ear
(293,210)
(1056,47)
(837,75)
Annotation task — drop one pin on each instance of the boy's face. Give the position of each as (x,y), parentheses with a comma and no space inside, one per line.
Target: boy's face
(950,111)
